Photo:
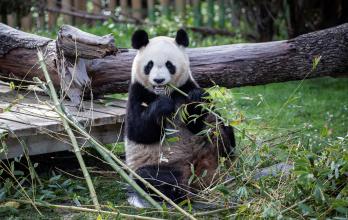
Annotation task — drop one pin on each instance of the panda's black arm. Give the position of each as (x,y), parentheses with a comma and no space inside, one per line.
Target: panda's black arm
(196,115)
(143,123)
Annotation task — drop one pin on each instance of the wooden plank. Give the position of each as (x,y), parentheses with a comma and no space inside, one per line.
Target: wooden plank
(25,116)
(42,143)
(27,120)
(24,125)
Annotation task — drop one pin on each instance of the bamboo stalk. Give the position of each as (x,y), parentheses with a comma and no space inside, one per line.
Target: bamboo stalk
(83,209)
(117,168)
(106,156)
(104,151)
(99,147)
(215,211)
(67,128)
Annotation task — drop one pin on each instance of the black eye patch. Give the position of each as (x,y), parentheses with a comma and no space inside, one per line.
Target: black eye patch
(171,68)
(148,67)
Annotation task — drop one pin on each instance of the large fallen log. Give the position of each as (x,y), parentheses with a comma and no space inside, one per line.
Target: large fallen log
(108,68)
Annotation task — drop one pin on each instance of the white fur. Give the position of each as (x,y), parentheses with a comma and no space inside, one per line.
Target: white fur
(160,50)
(137,202)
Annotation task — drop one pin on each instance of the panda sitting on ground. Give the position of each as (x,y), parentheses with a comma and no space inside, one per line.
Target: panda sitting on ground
(168,166)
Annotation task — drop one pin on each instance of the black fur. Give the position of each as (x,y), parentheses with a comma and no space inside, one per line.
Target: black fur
(148,67)
(195,96)
(139,39)
(171,68)
(144,122)
(182,38)
(193,100)
(165,179)
(228,151)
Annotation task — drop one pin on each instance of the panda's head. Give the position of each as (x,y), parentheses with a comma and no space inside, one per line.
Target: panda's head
(160,61)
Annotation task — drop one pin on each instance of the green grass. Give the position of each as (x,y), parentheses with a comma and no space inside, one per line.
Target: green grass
(318,105)
(317,110)
(302,123)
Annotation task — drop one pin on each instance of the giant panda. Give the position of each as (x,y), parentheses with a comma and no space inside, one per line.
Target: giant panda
(168,166)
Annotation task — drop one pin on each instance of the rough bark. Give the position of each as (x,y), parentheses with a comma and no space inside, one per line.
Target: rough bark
(228,65)
(71,39)
(243,64)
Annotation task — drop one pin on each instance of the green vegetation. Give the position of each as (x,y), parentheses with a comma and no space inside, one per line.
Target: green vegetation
(304,123)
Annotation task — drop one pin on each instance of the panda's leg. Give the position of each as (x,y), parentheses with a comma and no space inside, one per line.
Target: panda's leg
(167,179)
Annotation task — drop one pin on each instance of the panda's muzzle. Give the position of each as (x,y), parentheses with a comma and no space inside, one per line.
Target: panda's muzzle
(159,89)
(159,80)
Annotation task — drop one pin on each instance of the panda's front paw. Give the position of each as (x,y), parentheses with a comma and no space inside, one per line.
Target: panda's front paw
(164,106)
(197,95)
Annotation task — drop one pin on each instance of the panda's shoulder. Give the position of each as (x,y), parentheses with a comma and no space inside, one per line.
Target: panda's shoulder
(138,91)
(189,85)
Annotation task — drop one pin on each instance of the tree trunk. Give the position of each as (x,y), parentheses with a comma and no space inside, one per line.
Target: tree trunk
(137,9)
(180,7)
(52,16)
(124,8)
(97,5)
(80,6)
(66,6)
(235,65)
(11,19)
(197,13)
(41,14)
(151,10)
(165,7)
(112,6)
(26,22)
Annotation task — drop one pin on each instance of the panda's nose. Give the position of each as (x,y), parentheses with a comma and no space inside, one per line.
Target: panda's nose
(158,81)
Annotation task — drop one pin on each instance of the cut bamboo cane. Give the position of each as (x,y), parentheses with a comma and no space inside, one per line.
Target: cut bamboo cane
(67,128)
(103,151)
(70,119)
(83,209)
(105,154)
(99,147)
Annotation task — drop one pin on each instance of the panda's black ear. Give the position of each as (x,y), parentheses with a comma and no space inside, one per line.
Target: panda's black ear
(182,38)
(139,39)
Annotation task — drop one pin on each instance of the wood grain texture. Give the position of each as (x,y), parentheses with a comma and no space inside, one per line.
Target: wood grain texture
(43,143)
(227,65)
(75,42)
(25,118)
(11,39)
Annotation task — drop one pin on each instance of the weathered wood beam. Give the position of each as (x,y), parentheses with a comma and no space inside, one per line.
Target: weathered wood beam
(242,64)
(89,46)
(228,65)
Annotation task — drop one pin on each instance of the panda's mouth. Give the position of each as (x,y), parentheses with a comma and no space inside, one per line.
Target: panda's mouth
(159,89)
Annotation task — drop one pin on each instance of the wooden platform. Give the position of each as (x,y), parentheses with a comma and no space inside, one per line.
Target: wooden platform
(27,121)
